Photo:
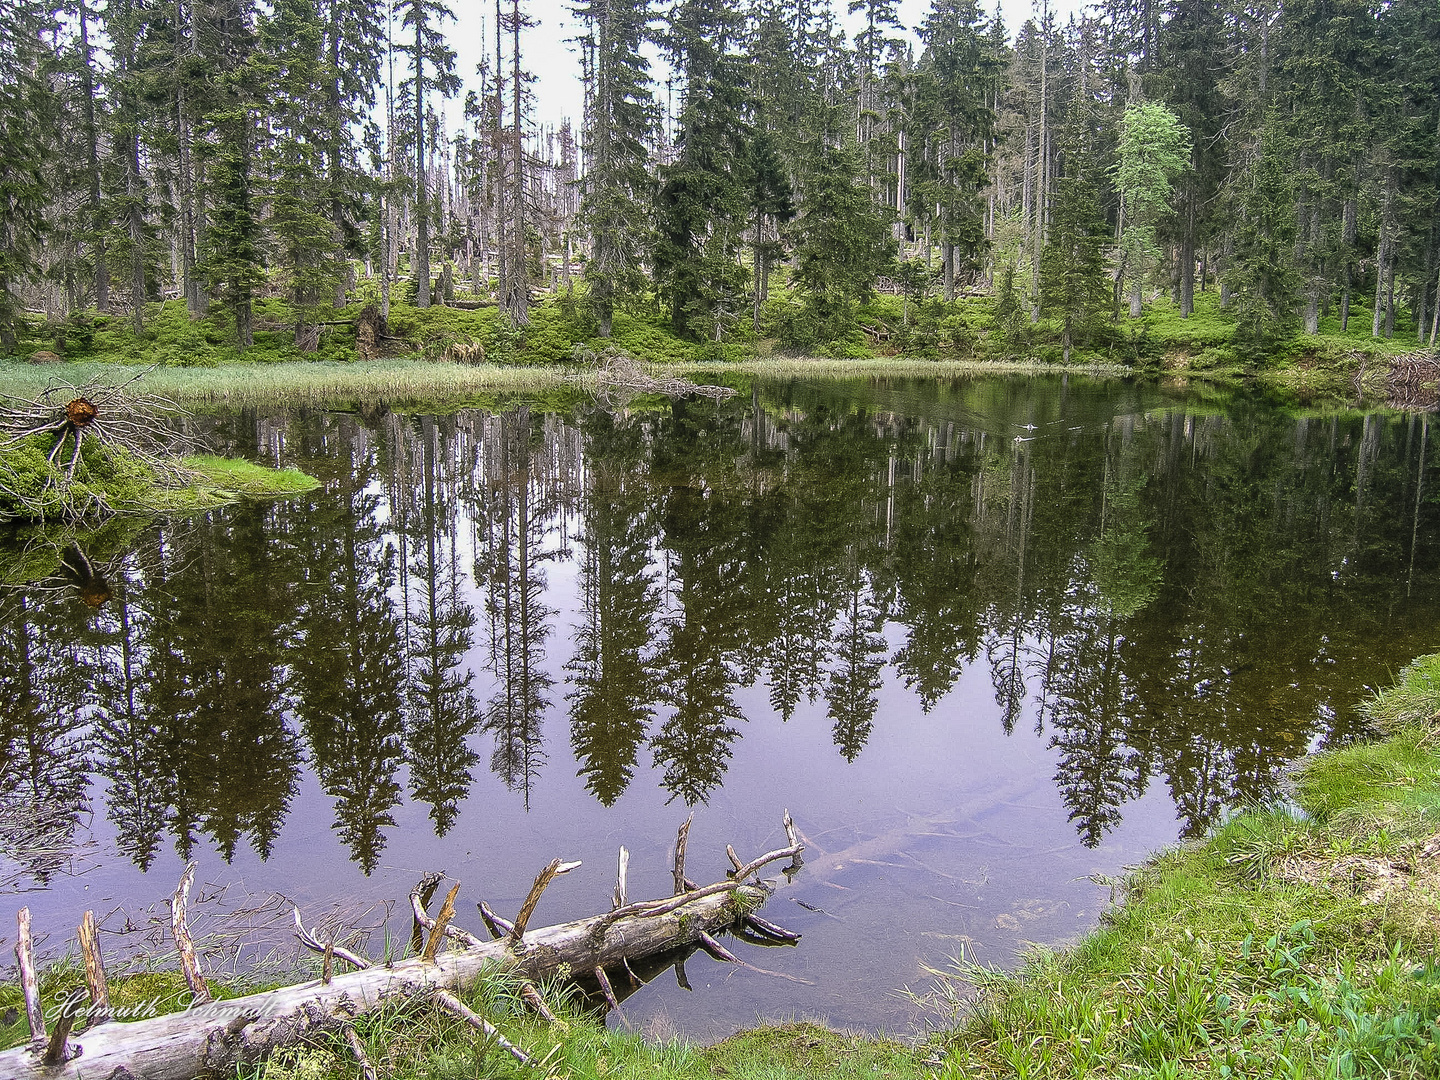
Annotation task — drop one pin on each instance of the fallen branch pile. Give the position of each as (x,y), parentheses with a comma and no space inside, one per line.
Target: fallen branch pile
(618,378)
(219,1037)
(1414,381)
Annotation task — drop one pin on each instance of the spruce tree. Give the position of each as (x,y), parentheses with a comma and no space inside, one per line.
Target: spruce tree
(1073,284)
(842,239)
(232,258)
(703,198)
(1262,273)
(305,241)
(954,124)
(1188,79)
(23,103)
(618,194)
(425,46)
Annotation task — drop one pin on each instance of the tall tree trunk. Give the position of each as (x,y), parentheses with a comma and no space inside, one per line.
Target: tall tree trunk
(335,159)
(191,222)
(422,192)
(1187,262)
(95,216)
(520,301)
(135,225)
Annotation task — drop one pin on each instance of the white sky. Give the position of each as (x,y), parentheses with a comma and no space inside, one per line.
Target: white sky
(553,59)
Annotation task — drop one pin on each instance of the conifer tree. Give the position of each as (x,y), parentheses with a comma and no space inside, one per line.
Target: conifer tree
(232,258)
(842,241)
(1073,284)
(23,136)
(1262,273)
(304,236)
(425,46)
(351,52)
(618,191)
(95,211)
(954,123)
(1187,78)
(703,199)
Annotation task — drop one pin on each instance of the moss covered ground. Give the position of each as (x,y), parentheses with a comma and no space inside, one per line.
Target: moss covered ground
(109,480)
(1296,941)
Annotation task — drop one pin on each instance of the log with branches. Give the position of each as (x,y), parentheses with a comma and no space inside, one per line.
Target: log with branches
(221,1037)
(619,378)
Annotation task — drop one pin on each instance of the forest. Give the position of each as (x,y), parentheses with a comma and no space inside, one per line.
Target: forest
(741,171)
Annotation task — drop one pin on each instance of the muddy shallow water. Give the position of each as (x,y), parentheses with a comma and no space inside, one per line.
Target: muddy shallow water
(988,640)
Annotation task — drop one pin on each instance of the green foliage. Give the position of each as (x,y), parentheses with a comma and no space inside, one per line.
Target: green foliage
(1414,700)
(841,244)
(1263,276)
(1154,149)
(619,192)
(1073,283)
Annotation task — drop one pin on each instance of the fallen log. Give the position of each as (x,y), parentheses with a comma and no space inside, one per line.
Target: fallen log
(220,1037)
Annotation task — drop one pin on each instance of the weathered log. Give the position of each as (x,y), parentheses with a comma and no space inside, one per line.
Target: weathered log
(189,962)
(357,1051)
(453,1005)
(419,900)
(220,1036)
(94,970)
(681,839)
(29,982)
(58,1050)
(621,873)
(437,932)
(542,882)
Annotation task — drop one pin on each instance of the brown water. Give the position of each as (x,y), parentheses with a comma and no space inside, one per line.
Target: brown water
(985,639)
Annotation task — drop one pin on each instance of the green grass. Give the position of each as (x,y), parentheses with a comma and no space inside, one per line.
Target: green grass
(302,382)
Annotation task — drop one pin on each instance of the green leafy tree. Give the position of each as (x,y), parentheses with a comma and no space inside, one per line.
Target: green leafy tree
(1154,149)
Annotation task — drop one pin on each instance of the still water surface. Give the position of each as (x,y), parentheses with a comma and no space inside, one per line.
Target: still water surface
(985,639)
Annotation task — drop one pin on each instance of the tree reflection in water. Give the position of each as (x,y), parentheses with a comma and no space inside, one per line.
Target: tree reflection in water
(1165,593)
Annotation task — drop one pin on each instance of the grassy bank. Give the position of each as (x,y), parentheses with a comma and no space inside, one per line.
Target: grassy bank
(437,382)
(453,353)
(1296,941)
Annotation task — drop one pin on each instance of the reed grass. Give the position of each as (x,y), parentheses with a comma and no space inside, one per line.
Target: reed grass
(897,367)
(301,382)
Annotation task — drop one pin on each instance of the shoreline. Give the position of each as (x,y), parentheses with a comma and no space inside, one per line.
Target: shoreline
(1296,941)
(420,381)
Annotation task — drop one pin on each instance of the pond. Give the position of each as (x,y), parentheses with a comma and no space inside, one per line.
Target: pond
(989,641)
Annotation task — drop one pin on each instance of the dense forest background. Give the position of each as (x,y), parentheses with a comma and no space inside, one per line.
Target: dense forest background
(763,181)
